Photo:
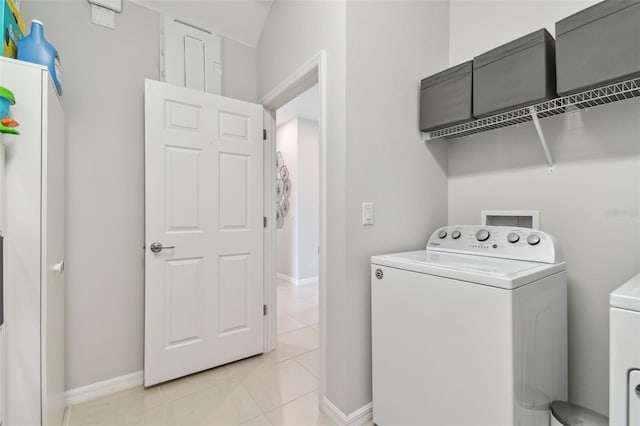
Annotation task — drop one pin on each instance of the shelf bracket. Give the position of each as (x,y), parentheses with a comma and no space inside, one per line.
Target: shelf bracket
(543,140)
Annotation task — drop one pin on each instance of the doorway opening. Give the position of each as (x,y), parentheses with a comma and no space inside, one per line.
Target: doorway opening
(312,73)
(297,229)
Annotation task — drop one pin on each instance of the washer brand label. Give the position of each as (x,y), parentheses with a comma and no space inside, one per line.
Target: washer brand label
(434,244)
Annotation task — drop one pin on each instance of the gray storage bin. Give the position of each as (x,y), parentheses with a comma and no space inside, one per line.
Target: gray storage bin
(598,45)
(514,75)
(445,98)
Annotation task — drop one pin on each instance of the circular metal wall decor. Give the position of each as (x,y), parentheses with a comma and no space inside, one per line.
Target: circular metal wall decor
(284,173)
(284,207)
(279,161)
(279,190)
(279,218)
(283,190)
(286,189)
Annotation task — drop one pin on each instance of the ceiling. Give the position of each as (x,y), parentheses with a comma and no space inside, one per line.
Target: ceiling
(240,20)
(307,105)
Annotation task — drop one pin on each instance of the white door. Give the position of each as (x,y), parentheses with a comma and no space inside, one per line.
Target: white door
(203,202)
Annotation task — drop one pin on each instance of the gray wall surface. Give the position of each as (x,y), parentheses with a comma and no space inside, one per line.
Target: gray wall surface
(239,71)
(295,32)
(591,202)
(391,45)
(374,151)
(103,77)
(308,194)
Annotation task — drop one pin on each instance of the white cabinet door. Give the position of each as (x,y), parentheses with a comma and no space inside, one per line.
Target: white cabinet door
(23,246)
(53,208)
(190,56)
(203,201)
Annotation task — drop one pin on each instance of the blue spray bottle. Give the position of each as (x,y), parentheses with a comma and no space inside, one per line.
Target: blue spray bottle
(37,49)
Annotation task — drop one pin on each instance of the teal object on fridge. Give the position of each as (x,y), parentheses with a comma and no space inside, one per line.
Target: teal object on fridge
(36,48)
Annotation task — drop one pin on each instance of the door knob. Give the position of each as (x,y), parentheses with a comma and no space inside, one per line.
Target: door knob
(158,247)
(59,267)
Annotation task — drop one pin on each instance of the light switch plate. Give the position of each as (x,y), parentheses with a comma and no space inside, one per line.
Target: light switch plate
(367,213)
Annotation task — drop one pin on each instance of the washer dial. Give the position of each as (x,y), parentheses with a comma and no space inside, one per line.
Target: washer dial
(455,234)
(482,235)
(533,239)
(513,238)
(442,234)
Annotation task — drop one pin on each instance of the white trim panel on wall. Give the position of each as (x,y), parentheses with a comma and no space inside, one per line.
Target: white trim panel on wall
(190,56)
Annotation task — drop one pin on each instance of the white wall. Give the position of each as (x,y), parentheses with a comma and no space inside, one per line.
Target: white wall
(480,25)
(104,72)
(287,236)
(297,240)
(239,71)
(591,202)
(308,197)
(374,150)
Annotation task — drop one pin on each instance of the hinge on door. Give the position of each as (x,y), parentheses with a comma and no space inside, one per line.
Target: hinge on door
(264,221)
(264,134)
(264,310)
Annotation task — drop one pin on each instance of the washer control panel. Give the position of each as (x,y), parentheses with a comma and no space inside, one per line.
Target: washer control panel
(496,241)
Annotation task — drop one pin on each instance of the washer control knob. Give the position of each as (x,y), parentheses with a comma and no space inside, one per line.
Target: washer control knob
(442,234)
(533,239)
(482,235)
(455,234)
(513,238)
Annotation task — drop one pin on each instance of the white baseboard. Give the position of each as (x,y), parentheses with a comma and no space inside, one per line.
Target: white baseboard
(358,417)
(295,281)
(107,387)
(66,420)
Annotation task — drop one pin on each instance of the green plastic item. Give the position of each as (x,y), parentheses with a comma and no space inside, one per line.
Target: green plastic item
(6,93)
(6,99)
(10,130)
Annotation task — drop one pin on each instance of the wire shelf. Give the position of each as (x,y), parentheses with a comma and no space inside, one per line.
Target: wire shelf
(562,105)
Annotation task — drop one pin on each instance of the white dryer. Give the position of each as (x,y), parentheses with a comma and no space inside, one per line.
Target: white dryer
(624,354)
(471,331)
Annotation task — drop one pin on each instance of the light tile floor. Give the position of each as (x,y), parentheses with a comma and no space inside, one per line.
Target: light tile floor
(278,388)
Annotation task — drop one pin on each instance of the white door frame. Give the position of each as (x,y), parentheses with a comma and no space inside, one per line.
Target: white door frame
(312,72)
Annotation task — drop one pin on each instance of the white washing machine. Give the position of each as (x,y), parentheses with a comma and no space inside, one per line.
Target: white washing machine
(471,331)
(624,354)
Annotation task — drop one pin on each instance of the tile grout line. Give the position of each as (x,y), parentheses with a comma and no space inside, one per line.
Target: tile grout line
(302,365)
(291,402)
(262,412)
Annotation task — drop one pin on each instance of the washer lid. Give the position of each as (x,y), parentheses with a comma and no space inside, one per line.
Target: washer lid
(495,272)
(627,296)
